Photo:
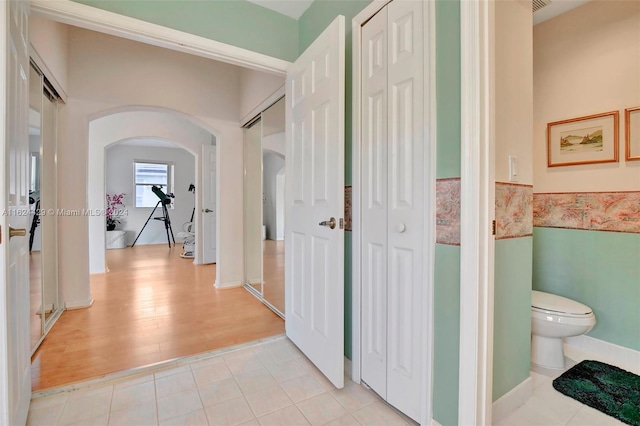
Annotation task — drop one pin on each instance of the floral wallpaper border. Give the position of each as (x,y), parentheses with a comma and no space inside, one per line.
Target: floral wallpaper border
(514,210)
(592,211)
(347,208)
(448,211)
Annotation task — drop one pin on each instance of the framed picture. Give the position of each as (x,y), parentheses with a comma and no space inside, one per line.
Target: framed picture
(583,140)
(632,124)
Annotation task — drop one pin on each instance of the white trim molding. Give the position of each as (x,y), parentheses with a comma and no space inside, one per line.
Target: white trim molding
(477,195)
(579,347)
(91,18)
(511,400)
(78,304)
(430,111)
(228,285)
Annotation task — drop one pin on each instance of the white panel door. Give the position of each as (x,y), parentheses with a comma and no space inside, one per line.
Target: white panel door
(314,193)
(15,362)
(374,147)
(209,208)
(406,205)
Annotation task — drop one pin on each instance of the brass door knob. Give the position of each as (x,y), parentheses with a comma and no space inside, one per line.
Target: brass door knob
(20,232)
(331,223)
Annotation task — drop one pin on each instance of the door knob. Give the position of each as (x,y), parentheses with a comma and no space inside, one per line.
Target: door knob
(401,227)
(207,211)
(20,232)
(331,223)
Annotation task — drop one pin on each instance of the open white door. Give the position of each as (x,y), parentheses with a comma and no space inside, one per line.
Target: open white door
(314,202)
(15,361)
(209,212)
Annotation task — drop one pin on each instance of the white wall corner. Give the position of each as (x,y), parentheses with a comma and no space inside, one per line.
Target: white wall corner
(434,422)
(79,304)
(510,401)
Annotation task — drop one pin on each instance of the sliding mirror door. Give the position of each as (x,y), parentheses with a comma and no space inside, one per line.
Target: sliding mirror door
(43,237)
(273,149)
(253,207)
(264,175)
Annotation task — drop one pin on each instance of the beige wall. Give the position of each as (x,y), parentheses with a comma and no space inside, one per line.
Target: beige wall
(513,89)
(586,61)
(256,86)
(51,40)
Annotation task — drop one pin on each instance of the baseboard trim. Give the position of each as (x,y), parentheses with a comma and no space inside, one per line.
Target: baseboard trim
(434,422)
(625,358)
(70,306)
(511,400)
(228,285)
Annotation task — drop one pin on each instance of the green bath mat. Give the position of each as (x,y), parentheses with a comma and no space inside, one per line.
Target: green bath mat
(606,388)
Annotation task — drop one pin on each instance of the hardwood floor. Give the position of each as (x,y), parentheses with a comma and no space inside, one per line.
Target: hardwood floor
(273,269)
(152,306)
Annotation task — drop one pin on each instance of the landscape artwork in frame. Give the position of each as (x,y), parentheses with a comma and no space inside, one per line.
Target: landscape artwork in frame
(583,140)
(632,126)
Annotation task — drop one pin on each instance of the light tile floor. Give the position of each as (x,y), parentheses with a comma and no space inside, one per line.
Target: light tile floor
(549,407)
(266,384)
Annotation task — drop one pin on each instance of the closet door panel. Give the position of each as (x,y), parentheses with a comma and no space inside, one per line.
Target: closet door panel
(406,212)
(374,203)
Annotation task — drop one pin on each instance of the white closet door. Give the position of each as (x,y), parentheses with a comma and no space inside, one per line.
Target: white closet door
(406,200)
(374,203)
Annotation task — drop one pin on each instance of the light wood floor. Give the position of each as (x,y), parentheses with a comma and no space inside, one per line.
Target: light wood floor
(152,306)
(273,269)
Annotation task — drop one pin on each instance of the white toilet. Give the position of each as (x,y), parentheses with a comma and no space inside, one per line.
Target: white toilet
(552,318)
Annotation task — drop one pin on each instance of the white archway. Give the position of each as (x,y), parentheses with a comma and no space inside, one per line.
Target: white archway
(113,126)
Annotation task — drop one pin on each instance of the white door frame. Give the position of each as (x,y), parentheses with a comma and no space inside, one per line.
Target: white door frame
(429,199)
(477,199)
(90,18)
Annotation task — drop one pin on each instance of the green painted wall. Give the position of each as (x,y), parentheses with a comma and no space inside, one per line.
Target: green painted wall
(447,258)
(512,314)
(448,87)
(599,269)
(235,22)
(446,339)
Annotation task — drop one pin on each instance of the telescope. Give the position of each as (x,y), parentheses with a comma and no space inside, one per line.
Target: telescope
(164,198)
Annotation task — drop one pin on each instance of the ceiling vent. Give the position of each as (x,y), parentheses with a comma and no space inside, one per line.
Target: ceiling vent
(539,4)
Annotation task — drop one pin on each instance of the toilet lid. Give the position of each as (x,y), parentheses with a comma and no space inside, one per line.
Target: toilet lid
(552,302)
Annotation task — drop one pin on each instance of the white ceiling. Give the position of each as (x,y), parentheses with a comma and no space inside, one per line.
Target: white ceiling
(555,8)
(291,8)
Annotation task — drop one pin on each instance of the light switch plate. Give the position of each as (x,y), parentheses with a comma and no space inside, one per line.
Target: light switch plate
(513,168)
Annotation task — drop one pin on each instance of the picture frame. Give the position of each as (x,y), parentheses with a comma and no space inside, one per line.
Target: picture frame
(632,134)
(584,140)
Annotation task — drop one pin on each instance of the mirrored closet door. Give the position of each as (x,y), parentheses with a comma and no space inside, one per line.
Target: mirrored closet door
(264,147)
(43,239)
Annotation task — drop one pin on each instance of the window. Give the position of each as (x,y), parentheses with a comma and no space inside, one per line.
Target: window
(145,175)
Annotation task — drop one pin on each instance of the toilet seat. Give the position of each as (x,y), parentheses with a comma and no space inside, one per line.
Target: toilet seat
(557,305)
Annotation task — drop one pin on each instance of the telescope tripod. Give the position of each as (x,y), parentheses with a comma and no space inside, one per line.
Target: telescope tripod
(164,218)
